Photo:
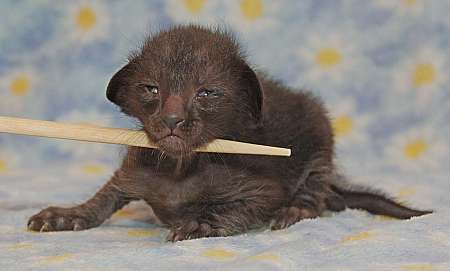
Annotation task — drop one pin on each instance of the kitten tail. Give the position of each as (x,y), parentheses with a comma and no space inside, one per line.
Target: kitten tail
(372,201)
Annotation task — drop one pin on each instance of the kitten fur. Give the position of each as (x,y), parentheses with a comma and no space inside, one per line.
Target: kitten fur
(187,86)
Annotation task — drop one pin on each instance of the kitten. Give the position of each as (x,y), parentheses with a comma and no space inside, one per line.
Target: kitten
(187,86)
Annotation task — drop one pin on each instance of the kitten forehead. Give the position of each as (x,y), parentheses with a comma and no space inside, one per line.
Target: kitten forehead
(191,42)
(189,54)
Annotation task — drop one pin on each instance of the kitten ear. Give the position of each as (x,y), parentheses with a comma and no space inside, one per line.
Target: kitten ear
(117,85)
(254,93)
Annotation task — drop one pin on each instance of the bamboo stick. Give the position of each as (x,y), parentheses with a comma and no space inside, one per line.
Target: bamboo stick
(90,133)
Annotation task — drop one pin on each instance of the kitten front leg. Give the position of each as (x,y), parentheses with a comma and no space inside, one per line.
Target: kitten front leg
(231,209)
(90,214)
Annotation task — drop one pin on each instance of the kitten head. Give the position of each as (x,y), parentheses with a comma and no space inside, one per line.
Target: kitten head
(187,86)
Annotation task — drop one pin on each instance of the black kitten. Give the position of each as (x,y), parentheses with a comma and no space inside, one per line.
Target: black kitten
(187,86)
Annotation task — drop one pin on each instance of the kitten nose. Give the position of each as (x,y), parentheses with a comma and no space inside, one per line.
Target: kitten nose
(173,121)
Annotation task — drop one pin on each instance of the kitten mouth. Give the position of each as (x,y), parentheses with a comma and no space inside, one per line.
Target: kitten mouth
(173,144)
(171,139)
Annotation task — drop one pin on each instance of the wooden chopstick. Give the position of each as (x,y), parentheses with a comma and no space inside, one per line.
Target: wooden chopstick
(91,133)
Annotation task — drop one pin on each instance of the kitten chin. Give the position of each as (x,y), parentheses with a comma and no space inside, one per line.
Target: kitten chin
(174,146)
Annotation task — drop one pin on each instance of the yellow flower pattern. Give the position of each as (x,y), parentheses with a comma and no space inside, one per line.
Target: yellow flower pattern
(424,74)
(85,18)
(342,125)
(252,9)
(380,66)
(20,85)
(415,148)
(3,166)
(219,254)
(194,6)
(328,57)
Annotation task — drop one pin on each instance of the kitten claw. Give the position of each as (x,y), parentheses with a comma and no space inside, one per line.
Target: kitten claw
(178,237)
(77,227)
(57,219)
(288,216)
(194,230)
(31,225)
(45,227)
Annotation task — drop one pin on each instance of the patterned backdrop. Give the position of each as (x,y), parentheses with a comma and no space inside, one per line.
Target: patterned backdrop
(381,66)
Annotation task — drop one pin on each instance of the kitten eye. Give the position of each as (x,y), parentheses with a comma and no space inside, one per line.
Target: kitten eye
(152,89)
(202,93)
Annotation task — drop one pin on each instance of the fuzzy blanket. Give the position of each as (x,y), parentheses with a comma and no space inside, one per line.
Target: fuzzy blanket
(381,67)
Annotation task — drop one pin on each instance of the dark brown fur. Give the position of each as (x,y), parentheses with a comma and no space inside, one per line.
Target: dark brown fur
(200,194)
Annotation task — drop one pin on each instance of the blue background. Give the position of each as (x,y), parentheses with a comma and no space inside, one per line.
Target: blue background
(381,67)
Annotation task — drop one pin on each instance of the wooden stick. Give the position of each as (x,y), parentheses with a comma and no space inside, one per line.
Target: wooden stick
(90,133)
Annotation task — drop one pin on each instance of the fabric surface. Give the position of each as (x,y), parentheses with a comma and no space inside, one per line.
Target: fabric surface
(381,67)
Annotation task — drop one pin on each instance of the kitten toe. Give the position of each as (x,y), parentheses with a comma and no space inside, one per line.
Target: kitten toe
(194,230)
(207,230)
(57,219)
(288,216)
(79,225)
(34,224)
(204,230)
(183,232)
(219,232)
(176,235)
(45,227)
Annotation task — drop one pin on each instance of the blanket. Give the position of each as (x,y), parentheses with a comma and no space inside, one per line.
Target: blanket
(380,66)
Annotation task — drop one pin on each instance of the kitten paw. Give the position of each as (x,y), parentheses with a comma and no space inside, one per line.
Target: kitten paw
(57,219)
(194,230)
(288,216)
